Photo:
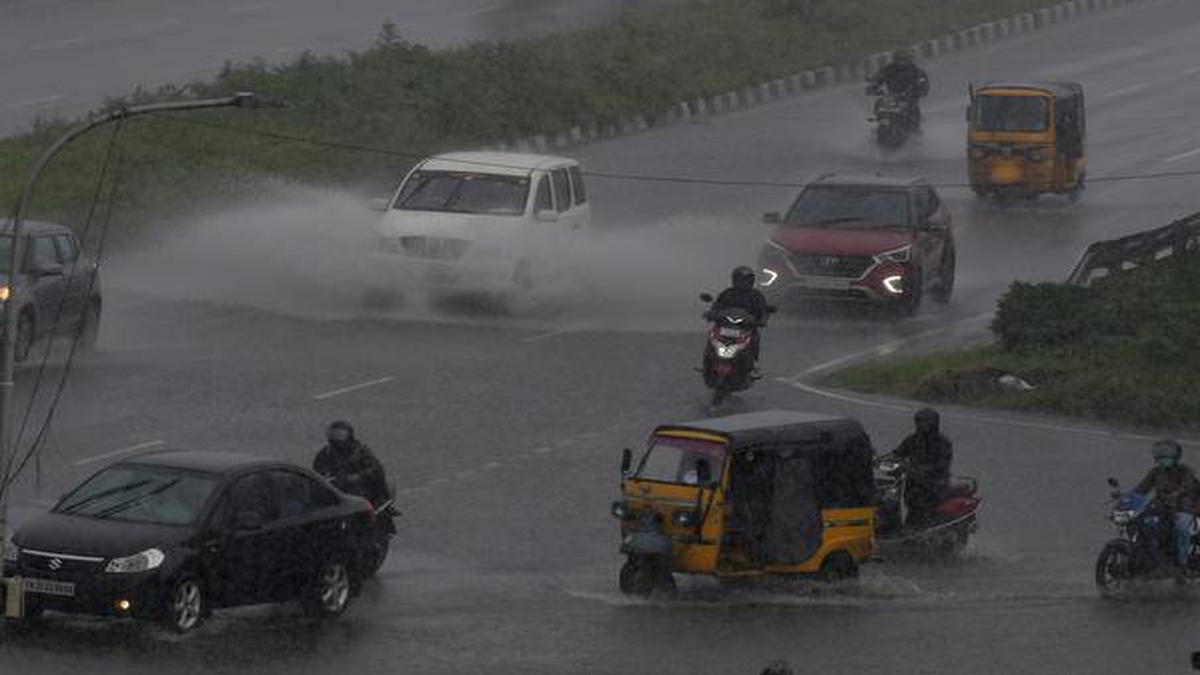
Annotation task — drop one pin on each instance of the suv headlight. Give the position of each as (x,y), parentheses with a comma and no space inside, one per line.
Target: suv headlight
(149,559)
(896,255)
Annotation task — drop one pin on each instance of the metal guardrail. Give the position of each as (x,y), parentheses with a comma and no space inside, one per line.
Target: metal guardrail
(1105,258)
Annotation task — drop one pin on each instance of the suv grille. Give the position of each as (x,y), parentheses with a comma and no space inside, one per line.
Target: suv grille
(852,266)
(434,248)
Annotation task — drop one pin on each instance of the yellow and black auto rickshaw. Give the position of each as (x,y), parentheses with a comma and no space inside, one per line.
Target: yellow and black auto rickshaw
(1027,139)
(766,493)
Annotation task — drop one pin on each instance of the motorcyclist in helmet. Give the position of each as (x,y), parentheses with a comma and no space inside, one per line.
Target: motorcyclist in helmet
(904,79)
(927,456)
(350,465)
(1175,490)
(743,295)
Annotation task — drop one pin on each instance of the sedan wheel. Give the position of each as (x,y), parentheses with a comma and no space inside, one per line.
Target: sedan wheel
(331,593)
(185,606)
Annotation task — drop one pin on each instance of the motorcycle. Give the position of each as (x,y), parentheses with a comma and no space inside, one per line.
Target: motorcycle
(895,119)
(946,530)
(728,364)
(1145,545)
(383,528)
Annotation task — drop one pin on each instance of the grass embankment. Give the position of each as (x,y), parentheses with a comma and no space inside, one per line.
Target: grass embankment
(1125,349)
(408,98)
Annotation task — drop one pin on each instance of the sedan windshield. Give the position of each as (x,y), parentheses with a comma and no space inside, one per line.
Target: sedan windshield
(141,494)
(457,192)
(849,207)
(1012,113)
(674,460)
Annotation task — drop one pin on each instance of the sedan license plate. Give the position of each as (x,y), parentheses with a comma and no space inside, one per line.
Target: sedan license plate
(729,332)
(824,282)
(63,589)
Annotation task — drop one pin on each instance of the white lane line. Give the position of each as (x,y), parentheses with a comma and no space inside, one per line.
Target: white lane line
(1181,156)
(58,44)
(354,387)
(550,334)
(160,25)
(985,419)
(35,102)
(117,453)
(492,466)
(476,12)
(543,450)
(1125,91)
(250,9)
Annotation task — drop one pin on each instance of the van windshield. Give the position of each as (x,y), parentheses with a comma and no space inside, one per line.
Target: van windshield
(674,460)
(1012,113)
(463,192)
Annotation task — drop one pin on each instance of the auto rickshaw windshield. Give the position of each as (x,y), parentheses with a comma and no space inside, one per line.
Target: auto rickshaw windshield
(1012,113)
(675,460)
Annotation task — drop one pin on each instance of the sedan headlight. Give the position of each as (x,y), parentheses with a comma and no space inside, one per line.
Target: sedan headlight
(147,560)
(896,255)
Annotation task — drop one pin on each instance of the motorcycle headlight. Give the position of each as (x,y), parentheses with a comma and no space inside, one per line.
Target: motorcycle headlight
(726,351)
(1122,517)
(620,510)
(896,255)
(147,560)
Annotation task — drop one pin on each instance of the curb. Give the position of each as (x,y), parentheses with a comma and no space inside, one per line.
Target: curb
(685,112)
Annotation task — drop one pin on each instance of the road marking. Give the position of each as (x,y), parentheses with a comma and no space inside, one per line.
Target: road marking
(117,453)
(58,44)
(1192,71)
(248,9)
(1181,156)
(1125,91)
(492,466)
(549,334)
(354,387)
(544,450)
(34,102)
(476,12)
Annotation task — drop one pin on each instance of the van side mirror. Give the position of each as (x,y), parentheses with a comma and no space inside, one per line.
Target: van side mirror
(248,521)
(626,461)
(380,204)
(703,472)
(772,218)
(547,216)
(705,297)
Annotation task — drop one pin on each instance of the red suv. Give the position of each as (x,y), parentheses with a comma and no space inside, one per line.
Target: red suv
(885,241)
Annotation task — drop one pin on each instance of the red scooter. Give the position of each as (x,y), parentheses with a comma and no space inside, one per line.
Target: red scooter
(945,530)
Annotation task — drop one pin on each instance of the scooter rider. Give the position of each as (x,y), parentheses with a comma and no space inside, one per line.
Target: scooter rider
(743,295)
(927,455)
(351,465)
(906,80)
(1176,490)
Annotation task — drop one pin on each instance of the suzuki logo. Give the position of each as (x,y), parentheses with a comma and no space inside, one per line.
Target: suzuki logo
(55,563)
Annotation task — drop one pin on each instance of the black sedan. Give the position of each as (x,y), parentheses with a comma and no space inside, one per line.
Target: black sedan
(173,535)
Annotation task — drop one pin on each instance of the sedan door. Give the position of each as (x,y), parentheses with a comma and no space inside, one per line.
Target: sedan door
(311,525)
(248,546)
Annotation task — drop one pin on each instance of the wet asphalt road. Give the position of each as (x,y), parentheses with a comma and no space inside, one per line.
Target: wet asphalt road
(65,56)
(505,433)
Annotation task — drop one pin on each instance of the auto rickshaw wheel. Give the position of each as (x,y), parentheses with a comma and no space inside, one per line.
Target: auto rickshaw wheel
(838,567)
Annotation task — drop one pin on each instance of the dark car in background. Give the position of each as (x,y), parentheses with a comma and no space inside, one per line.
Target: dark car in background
(57,290)
(886,241)
(172,535)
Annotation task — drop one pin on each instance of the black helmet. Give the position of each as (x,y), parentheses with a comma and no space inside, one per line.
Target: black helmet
(902,56)
(743,277)
(339,425)
(777,667)
(927,420)
(1167,452)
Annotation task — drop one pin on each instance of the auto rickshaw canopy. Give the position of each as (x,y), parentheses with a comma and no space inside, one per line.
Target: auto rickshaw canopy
(1070,117)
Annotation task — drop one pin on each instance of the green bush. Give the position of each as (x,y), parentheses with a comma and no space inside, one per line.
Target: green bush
(1038,315)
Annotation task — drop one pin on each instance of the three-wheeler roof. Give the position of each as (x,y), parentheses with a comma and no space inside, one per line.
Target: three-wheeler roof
(1055,89)
(771,426)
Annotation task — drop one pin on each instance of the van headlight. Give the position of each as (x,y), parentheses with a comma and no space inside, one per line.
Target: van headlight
(147,560)
(896,255)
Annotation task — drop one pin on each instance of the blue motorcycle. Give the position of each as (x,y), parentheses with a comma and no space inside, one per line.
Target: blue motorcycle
(1144,548)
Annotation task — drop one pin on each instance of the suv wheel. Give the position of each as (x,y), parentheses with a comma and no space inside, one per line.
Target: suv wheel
(25,337)
(945,287)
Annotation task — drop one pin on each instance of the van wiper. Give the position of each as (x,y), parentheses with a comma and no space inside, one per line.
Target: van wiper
(130,503)
(72,508)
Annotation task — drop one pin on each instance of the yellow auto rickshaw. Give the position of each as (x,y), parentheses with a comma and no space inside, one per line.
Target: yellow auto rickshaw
(1027,139)
(765,493)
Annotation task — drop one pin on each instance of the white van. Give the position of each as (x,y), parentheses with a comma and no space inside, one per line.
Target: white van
(494,222)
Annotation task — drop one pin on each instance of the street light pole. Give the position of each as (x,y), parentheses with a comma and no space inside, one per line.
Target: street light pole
(8,328)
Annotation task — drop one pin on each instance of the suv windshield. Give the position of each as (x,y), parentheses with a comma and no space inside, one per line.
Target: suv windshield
(459,192)
(1012,113)
(141,494)
(848,206)
(674,460)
